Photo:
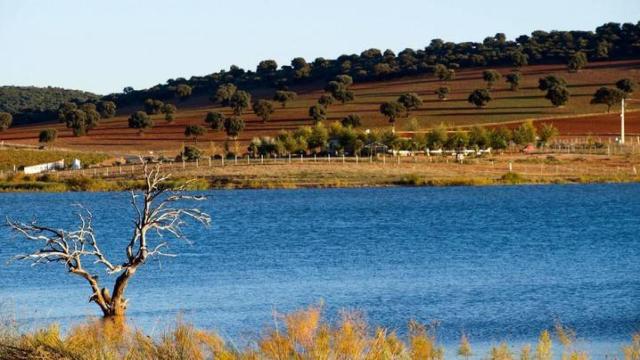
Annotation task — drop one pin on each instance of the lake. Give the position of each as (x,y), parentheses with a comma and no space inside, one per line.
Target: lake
(499,263)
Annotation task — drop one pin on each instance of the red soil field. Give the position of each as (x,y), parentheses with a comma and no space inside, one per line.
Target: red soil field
(508,107)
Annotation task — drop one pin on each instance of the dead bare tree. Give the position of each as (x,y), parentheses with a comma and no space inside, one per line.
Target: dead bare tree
(156,211)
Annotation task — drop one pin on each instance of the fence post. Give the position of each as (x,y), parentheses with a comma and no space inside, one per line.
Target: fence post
(183,163)
(197,163)
(384,159)
(356,158)
(510,166)
(301,159)
(235,159)
(343,158)
(209,161)
(222,160)
(262,159)
(248,160)
(328,157)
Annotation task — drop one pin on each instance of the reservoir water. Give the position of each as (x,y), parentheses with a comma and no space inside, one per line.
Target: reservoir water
(499,263)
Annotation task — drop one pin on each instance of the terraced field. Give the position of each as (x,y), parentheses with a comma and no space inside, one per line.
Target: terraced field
(577,118)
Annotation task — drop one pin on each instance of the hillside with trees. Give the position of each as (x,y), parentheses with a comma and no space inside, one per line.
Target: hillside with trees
(25,99)
(611,41)
(494,83)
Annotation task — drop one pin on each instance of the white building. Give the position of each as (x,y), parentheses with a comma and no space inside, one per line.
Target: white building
(36,169)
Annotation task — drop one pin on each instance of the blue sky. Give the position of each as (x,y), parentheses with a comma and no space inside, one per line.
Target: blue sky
(103,46)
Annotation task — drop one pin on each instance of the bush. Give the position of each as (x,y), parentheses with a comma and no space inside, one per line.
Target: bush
(191,153)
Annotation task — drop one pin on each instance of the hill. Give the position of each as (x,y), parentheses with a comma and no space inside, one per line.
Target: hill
(577,118)
(17,99)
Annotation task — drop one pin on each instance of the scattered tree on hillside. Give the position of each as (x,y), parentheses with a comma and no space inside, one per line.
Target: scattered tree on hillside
(558,95)
(215,120)
(158,212)
(547,133)
(345,79)
(627,85)
(92,115)
(169,110)
(240,101)
(183,91)
(479,97)
(519,59)
(223,94)
(392,110)
(351,120)
(5,120)
(48,136)
(107,109)
(608,96)
(550,81)
(233,126)
(152,106)
(141,121)
(490,77)
(577,61)
(525,134)
(339,88)
(318,113)
(263,109)
(442,92)
(514,80)
(284,97)
(442,73)
(326,100)
(194,131)
(410,101)
(75,119)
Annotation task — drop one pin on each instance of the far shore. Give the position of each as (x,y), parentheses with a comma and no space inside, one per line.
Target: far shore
(507,169)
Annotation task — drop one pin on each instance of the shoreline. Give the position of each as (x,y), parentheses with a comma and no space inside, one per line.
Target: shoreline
(506,169)
(202,184)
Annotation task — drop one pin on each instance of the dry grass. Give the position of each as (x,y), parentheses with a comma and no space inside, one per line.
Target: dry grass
(305,336)
(418,171)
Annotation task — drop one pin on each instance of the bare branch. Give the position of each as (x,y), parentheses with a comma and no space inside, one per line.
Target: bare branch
(156,209)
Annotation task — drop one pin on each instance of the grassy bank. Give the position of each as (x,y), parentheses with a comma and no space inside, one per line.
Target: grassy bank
(89,184)
(511,169)
(300,335)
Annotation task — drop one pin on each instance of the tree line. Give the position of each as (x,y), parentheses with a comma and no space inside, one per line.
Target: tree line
(341,137)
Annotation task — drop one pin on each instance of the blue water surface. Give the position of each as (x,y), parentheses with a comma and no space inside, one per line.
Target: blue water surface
(499,263)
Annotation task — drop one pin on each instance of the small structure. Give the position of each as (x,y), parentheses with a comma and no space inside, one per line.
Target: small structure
(375,148)
(52,166)
(529,149)
(76,165)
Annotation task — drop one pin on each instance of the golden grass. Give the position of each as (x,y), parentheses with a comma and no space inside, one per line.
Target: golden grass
(305,336)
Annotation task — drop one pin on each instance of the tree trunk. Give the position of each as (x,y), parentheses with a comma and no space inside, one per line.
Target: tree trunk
(117,304)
